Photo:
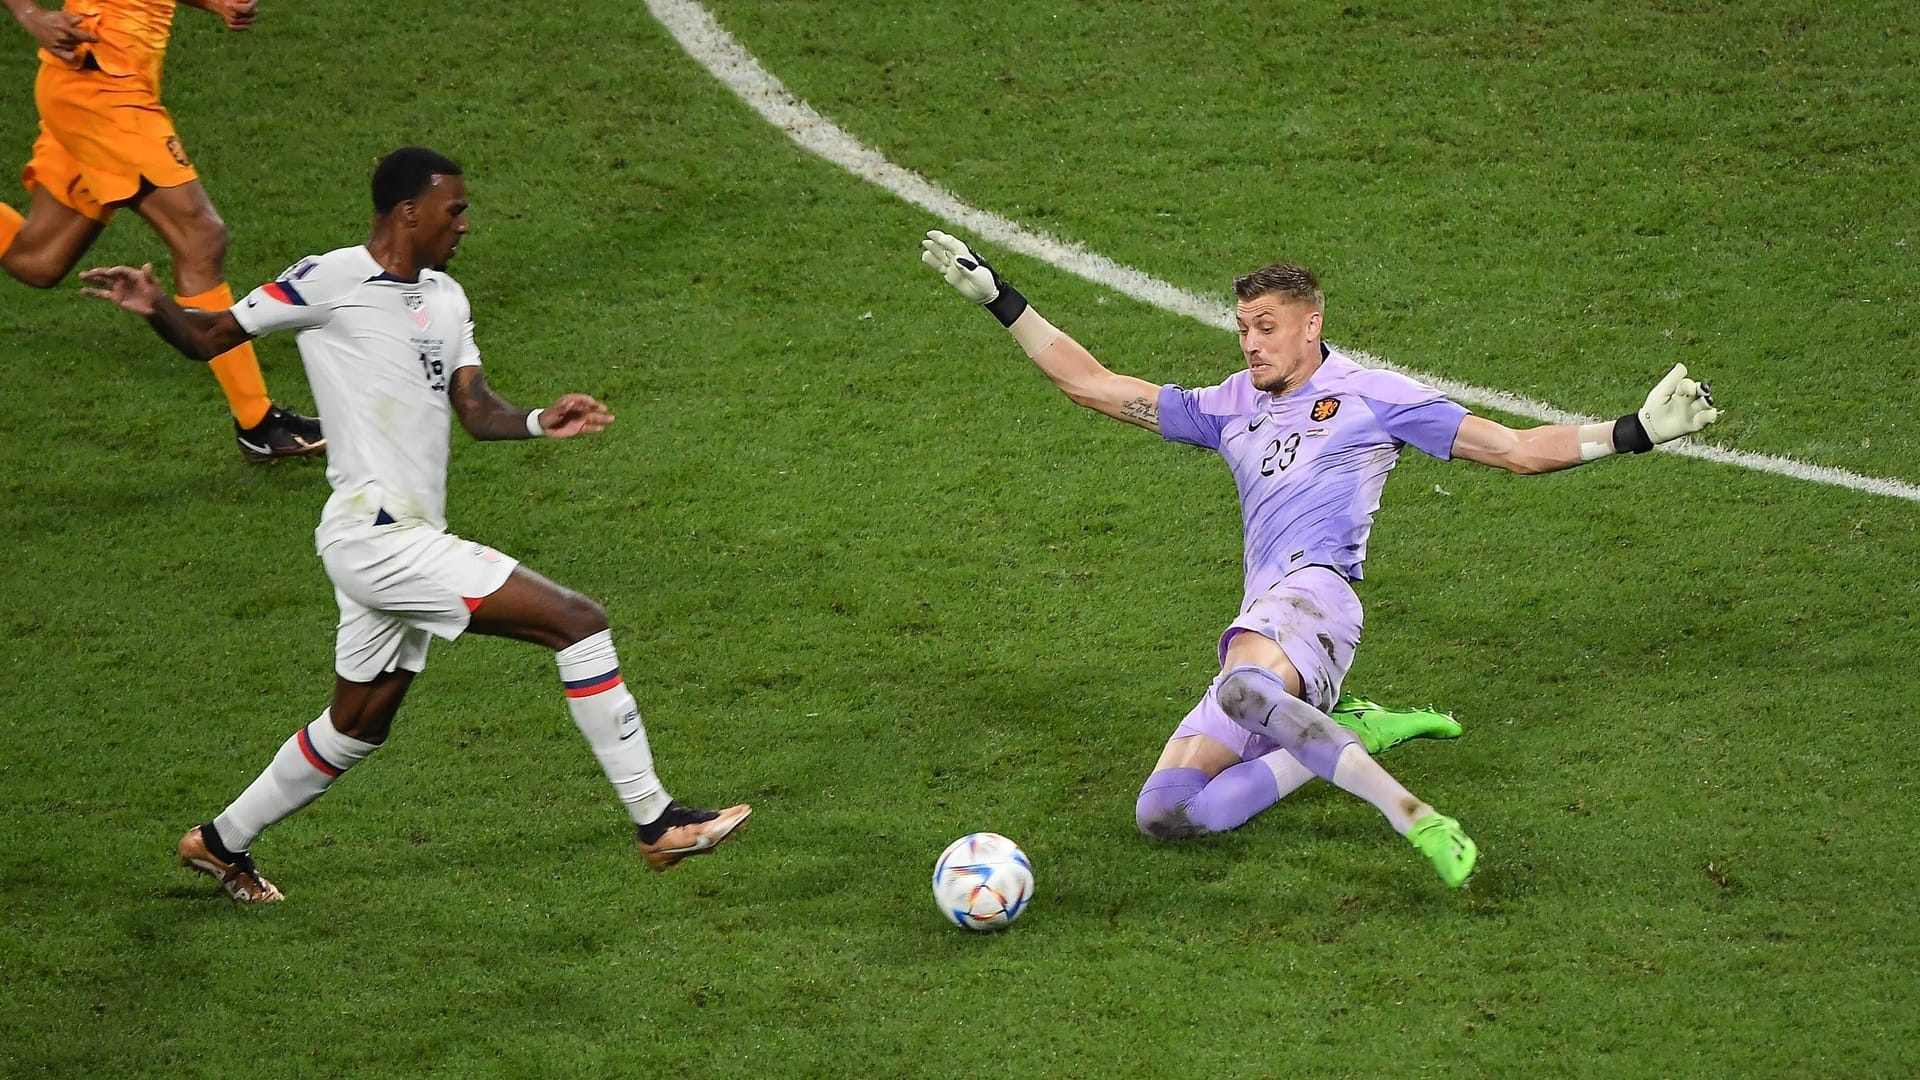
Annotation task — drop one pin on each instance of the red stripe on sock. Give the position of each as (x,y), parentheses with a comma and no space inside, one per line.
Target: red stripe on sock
(313,758)
(591,689)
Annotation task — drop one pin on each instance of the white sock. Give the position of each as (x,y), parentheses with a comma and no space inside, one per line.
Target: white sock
(1363,776)
(1257,700)
(1288,774)
(607,715)
(306,765)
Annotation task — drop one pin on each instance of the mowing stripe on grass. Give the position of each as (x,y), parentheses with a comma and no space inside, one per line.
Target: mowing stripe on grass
(714,49)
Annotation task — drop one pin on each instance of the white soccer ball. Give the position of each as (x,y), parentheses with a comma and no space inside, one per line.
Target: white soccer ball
(982,881)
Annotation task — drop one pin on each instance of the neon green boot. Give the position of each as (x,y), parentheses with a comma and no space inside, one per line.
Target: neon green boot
(1441,840)
(1381,727)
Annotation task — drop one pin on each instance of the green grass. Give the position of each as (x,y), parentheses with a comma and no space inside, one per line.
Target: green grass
(873,575)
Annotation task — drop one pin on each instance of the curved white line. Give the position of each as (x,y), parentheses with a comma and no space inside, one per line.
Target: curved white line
(714,49)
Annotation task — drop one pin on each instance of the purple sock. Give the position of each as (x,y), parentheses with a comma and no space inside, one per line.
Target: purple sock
(1161,811)
(1179,803)
(1234,797)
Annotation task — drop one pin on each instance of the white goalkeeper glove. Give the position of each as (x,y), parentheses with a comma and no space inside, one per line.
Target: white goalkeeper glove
(1678,406)
(971,276)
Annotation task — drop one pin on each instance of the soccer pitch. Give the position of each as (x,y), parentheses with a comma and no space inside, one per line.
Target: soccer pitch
(868,571)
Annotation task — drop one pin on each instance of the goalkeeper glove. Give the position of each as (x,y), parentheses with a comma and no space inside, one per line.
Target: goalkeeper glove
(970,275)
(1678,406)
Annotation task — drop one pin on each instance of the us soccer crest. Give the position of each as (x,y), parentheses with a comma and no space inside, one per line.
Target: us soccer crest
(417,309)
(1324,409)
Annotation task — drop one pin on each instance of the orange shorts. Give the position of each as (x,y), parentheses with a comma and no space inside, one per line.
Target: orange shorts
(100,136)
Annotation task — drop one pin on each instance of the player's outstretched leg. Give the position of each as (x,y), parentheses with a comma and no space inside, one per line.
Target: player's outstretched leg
(1383,727)
(665,831)
(1181,801)
(1257,699)
(305,767)
(1176,804)
(1212,776)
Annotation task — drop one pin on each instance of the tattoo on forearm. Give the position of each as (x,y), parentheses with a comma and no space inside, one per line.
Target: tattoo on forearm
(1141,410)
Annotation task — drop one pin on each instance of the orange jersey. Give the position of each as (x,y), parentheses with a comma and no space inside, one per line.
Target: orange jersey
(133,36)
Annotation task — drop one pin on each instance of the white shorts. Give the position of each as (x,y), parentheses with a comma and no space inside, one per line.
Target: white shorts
(398,586)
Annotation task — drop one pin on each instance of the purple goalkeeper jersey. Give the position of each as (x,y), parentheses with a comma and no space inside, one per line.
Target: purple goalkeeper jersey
(1310,464)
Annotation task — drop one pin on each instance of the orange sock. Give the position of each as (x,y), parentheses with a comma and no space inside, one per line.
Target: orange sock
(237,369)
(10,222)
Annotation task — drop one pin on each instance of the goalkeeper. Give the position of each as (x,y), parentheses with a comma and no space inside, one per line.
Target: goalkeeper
(1310,436)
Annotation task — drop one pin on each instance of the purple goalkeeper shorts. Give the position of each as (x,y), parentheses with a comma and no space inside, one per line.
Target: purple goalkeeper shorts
(1314,616)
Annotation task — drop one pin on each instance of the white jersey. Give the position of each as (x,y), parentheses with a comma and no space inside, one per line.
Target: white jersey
(379,353)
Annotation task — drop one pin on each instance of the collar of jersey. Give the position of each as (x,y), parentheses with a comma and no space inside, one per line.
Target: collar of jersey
(384,274)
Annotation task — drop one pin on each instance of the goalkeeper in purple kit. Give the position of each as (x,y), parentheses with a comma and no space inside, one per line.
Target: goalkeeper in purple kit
(1310,437)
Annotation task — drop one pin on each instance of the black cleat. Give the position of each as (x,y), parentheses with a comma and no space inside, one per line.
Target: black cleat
(280,434)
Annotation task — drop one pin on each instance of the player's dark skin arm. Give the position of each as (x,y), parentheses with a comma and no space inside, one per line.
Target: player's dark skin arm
(199,335)
(486,415)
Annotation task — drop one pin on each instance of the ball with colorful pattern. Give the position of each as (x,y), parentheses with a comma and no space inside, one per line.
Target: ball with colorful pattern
(982,881)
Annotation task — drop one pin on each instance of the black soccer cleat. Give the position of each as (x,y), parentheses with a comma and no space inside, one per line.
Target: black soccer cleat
(280,434)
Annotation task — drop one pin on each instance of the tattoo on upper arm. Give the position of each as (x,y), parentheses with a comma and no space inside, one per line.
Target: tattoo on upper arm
(468,389)
(1141,410)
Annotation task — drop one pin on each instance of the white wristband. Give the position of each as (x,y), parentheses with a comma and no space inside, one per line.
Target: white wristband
(1596,441)
(533,424)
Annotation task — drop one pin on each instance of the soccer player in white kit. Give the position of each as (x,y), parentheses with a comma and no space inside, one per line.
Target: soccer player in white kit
(1310,437)
(387,340)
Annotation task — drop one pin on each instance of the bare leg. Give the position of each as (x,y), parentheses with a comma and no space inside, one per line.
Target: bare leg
(184,217)
(365,711)
(193,231)
(531,608)
(51,240)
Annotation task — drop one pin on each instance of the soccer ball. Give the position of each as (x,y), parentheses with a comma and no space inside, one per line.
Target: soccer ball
(982,881)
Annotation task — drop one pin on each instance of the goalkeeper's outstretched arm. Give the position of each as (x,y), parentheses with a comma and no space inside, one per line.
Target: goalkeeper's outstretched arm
(1678,406)
(1072,368)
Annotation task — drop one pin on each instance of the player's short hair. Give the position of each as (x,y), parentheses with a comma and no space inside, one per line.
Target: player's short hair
(1294,283)
(406,174)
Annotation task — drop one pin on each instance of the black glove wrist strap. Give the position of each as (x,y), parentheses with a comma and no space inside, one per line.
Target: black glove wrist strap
(1007,305)
(1630,435)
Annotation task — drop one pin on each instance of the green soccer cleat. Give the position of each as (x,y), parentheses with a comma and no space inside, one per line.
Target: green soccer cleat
(1452,851)
(1382,727)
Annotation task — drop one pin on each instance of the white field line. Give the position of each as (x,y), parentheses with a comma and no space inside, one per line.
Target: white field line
(716,50)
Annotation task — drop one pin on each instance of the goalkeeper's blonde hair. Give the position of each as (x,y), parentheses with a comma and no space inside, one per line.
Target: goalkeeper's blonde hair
(1294,283)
